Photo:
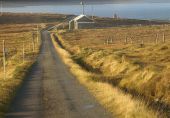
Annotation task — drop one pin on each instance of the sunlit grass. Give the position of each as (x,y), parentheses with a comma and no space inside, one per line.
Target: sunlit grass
(16,70)
(143,69)
(119,104)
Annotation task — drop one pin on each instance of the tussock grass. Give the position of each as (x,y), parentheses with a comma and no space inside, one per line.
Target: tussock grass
(9,87)
(16,28)
(143,70)
(119,104)
(16,70)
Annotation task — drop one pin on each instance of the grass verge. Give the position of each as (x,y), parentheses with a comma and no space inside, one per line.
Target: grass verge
(16,68)
(140,70)
(10,86)
(119,104)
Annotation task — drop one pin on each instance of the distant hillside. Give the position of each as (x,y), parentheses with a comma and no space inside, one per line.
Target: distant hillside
(20,18)
(110,22)
(10,18)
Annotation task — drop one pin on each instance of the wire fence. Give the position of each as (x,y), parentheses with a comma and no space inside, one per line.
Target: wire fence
(153,38)
(18,51)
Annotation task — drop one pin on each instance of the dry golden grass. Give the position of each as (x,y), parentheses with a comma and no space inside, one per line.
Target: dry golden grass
(97,37)
(119,104)
(16,28)
(14,36)
(140,69)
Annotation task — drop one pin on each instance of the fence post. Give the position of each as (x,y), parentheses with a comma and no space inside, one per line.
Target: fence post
(4,59)
(30,47)
(156,40)
(107,41)
(142,42)
(131,40)
(33,43)
(126,40)
(23,52)
(111,40)
(37,34)
(123,58)
(163,37)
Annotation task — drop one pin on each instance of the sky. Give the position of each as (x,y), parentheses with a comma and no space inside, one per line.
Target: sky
(9,3)
(152,1)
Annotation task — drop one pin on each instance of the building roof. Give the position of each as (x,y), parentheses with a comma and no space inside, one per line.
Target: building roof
(79,17)
(83,18)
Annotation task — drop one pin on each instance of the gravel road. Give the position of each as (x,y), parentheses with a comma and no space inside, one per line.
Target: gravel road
(51,91)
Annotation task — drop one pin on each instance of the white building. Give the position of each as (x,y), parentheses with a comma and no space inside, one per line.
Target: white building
(81,22)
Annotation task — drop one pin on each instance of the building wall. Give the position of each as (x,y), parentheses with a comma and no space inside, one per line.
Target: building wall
(71,25)
(76,26)
(85,25)
(81,25)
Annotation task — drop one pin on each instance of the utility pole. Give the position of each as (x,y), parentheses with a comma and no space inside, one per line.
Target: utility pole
(92,8)
(1,8)
(82,3)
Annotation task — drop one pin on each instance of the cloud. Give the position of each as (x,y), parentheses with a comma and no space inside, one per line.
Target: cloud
(92,1)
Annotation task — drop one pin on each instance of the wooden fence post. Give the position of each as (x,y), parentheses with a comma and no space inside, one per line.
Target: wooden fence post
(111,40)
(126,39)
(107,41)
(4,59)
(23,52)
(123,58)
(30,49)
(142,42)
(156,40)
(33,43)
(163,38)
(37,34)
(131,40)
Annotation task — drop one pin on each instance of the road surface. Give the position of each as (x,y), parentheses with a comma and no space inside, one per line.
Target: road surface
(51,91)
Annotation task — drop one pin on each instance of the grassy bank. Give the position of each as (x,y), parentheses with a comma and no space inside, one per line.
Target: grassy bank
(19,31)
(141,68)
(9,87)
(18,38)
(121,105)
